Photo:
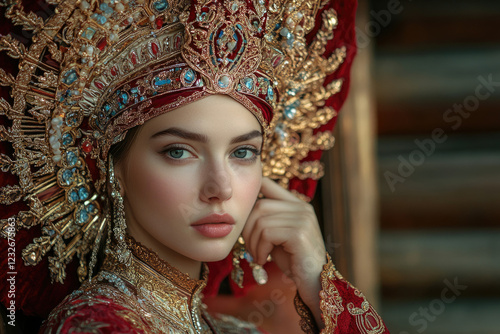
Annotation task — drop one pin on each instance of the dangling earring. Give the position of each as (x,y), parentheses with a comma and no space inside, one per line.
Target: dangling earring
(97,244)
(240,253)
(119,224)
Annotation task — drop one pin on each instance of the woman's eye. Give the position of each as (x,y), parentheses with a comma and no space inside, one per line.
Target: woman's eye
(245,153)
(178,153)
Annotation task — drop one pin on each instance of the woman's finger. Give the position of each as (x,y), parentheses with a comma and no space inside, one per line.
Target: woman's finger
(271,189)
(264,224)
(268,207)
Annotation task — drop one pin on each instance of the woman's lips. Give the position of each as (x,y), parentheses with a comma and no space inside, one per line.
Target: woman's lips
(214,225)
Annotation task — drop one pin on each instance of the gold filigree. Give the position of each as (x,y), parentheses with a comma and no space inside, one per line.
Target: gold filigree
(307,322)
(155,298)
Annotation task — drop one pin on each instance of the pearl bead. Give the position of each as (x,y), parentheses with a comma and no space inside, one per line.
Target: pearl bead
(84,5)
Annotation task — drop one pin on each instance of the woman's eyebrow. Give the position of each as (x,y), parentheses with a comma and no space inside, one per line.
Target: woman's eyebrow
(178,132)
(246,136)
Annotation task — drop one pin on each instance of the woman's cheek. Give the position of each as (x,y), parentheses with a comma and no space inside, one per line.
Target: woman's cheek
(162,185)
(249,184)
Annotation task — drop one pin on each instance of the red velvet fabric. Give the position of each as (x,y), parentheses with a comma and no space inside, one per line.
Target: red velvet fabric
(346,322)
(102,316)
(344,36)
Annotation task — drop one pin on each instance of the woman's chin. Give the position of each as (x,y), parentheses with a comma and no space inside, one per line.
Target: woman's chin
(214,254)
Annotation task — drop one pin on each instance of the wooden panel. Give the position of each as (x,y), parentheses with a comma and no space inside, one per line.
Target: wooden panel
(457,186)
(422,118)
(417,92)
(436,24)
(463,316)
(416,264)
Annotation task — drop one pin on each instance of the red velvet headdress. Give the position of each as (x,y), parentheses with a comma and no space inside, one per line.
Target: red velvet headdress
(87,72)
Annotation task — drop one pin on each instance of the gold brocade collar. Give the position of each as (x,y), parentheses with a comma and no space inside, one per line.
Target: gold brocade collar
(172,274)
(154,288)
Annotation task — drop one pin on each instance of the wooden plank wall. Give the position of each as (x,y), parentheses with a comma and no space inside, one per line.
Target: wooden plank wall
(439,165)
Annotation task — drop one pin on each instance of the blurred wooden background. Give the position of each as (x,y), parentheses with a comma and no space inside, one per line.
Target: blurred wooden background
(437,128)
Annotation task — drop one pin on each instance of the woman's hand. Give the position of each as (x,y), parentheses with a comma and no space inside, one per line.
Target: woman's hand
(285,227)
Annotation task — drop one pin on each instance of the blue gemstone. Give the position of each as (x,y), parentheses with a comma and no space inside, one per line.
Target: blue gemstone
(89,33)
(101,19)
(248,257)
(103,7)
(83,193)
(71,158)
(82,216)
(290,112)
(189,76)
(270,93)
(107,107)
(248,82)
(201,17)
(67,138)
(70,77)
(161,82)
(160,5)
(67,175)
(134,90)
(91,208)
(73,195)
(124,98)
(281,131)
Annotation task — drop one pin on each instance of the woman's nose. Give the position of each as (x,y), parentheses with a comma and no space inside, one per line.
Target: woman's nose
(217,186)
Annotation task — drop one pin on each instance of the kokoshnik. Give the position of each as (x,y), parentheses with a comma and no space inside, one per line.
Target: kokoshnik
(95,70)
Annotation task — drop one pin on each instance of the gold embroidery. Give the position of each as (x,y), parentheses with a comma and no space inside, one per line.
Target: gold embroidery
(307,323)
(331,304)
(367,319)
(331,301)
(157,297)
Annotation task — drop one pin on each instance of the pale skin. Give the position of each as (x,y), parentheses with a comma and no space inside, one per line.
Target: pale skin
(185,178)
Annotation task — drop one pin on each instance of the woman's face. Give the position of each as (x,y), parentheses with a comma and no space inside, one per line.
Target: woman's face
(191,178)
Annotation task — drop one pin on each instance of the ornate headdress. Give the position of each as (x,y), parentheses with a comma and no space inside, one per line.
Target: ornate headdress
(95,69)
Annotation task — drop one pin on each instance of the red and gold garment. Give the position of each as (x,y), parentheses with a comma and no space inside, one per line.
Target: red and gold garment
(150,296)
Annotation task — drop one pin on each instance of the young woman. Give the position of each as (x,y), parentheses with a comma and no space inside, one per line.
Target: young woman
(160,125)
